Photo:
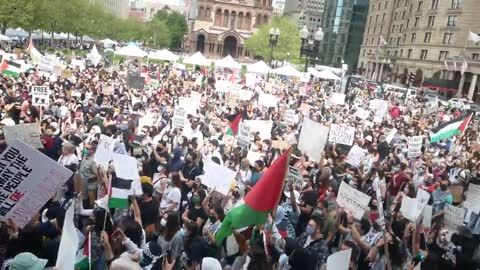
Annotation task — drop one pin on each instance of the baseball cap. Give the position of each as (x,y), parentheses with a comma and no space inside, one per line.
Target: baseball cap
(27,261)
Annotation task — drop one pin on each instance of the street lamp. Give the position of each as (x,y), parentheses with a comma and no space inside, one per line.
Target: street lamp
(309,47)
(272,43)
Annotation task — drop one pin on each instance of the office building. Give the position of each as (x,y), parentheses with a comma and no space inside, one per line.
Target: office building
(118,8)
(306,13)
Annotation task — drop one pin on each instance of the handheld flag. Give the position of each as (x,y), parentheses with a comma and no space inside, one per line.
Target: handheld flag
(233,130)
(34,53)
(67,251)
(10,68)
(451,128)
(119,191)
(84,257)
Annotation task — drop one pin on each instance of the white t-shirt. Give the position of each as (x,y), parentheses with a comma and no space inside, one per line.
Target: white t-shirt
(171,195)
(68,160)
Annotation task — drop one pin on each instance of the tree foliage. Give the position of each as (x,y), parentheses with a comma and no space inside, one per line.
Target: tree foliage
(288,45)
(83,17)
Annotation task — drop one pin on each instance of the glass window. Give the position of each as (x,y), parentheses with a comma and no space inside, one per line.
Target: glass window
(452,20)
(414,37)
(417,21)
(420,5)
(427,37)
(456,4)
(431,20)
(475,56)
(410,51)
(434,4)
(447,38)
(423,54)
(443,55)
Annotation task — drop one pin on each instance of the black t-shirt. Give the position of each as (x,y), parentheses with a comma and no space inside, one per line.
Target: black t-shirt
(149,212)
(307,198)
(195,213)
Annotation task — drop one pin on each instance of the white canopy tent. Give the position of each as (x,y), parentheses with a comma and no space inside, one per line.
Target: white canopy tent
(332,69)
(327,75)
(258,67)
(197,59)
(131,51)
(87,39)
(163,55)
(108,42)
(227,62)
(287,70)
(4,38)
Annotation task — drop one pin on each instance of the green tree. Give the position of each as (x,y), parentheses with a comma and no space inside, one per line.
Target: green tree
(160,34)
(176,24)
(15,13)
(288,45)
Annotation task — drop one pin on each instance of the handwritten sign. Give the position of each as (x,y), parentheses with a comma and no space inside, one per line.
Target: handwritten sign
(27,133)
(218,177)
(414,145)
(40,96)
(362,114)
(341,134)
(352,200)
(28,179)
(263,127)
(244,136)
(313,138)
(453,217)
(356,155)
(179,116)
(291,117)
(267,100)
(104,152)
(136,82)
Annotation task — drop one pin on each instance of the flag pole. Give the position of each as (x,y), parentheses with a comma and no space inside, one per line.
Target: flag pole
(290,149)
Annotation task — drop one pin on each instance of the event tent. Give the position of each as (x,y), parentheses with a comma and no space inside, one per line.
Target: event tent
(4,38)
(108,42)
(227,62)
(163,55)
(197,59)
(327,75)
(87,39)
(258,67)
(131,51)
(19,32)
(287,70)
(332,69)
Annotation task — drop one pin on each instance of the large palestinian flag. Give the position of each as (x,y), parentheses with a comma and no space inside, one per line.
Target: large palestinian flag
(261,200)
(451,128)
(233,129)
(10,68)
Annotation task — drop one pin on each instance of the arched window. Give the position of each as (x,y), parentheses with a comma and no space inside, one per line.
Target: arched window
(248,21)
(208,12)
(200,12)
(233,17)
(258,19)
(218,18)
(226,18)
(240,21)
(265,19)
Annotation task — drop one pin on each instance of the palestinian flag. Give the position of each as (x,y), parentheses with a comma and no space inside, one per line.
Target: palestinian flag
(233,130)
(261,200)
(10,68)
(119,191)
(204,76)
(34,53)
(232,78)
(451,128)
(84,257)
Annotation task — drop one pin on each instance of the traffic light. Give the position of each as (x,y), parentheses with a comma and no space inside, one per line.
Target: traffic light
(412,77)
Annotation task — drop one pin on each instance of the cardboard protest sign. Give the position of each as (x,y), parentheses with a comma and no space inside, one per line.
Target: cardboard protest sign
(337,98)
(263,127)
(362,114)
(244,136)
(40,96)
(356,155)
(218,177)
(28,133)
(28,179)
(354,201)
(453,217)
(341,134)
(104,152)
(473,198)
(339,260)
(268,87)
(126,167)
(135,81)
(179,116)
(291,117)
(294,177)
(414,146)
(267,100)
(313,138)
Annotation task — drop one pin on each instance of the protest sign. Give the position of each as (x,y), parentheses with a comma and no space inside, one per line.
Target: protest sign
(267,100)
(362,114)
(427,216)
(313,138)
(245,94)
(294,177)
(126,167)
(391,135)
(414,146)
(280,144)
(104,152)
(268,87)
(412,209)
(473,198)
(40,96)
(354,201)
(218,177)
(337,98)
(66,74)
(244,136)
(339,260)
(135,81)
(291,117)
(356,155)
(223,86)
(263,127)
(254,156)
(341,134)
(28,179)
(453,217)
(27,133)
(179,116)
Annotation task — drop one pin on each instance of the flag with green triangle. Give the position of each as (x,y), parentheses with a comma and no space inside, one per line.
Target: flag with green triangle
(233,129)
(84,257)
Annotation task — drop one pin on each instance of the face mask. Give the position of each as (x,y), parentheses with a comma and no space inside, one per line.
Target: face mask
(180,141)
(310,230)
(195,200)
(163,222)
(123,127)
(213,219)
(85,151)
(165,139)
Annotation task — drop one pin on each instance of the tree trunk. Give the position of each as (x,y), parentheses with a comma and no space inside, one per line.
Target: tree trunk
(68,41)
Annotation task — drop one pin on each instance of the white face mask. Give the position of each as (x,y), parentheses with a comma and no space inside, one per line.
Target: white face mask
(163,222)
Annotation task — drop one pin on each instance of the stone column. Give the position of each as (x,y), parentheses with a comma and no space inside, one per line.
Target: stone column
(367,70)
(451,75)
(471,91)
(375,71)
(460,86)
(380,77)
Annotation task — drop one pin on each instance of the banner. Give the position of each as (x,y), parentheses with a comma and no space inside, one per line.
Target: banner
(414,146)
(341,134)
(313,138)
(473,198)
(104,152)
(243,139)
(179,116)
(356,155)
(354,201)
(28,179)
(218,177)
(40,96)
(27,133)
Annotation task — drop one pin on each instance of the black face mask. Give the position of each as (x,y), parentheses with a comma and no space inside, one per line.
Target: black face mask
(213,219)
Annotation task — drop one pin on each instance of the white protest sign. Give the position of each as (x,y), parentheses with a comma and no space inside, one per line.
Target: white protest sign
(391,135)
(291,117)
(245,94)
(263,127)
(126,167)
(223,86)
(427,216)
(337,98)
(473,198)
(453,217)
(294,177)
(40,96)
(414,146)
(341,134)
(179,116)
(27,133)
(104,152)
(218,177)
(339,260)
(313,138)
(356,155)
(244,136)
(362,114)
(28,179)
(254,156)
(411,208)
(352,200)
(267,100)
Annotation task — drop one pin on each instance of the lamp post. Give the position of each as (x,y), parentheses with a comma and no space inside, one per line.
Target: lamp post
(309,48)
(272,43)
